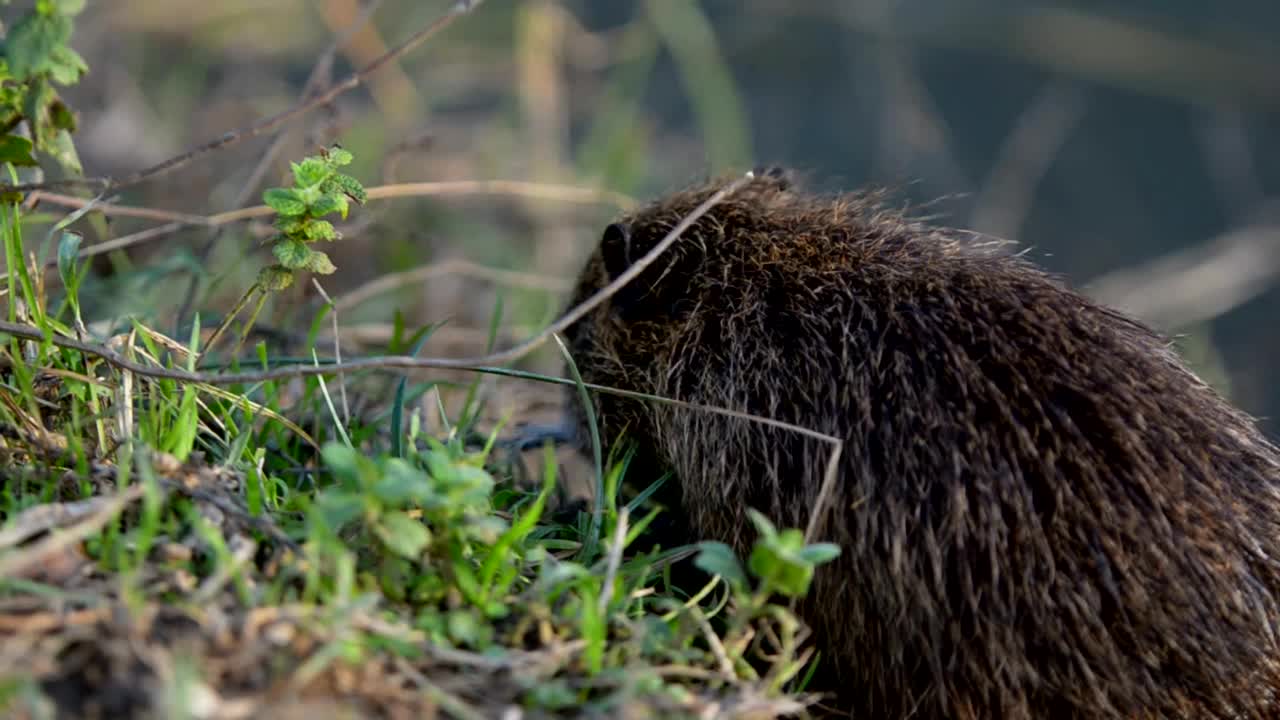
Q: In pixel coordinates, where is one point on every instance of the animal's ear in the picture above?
(615, 248)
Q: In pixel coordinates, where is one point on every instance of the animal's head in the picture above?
(621, 343)
(626, 241)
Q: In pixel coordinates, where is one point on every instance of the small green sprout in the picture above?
(781, 561)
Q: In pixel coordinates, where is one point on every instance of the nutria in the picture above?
(1042, 511)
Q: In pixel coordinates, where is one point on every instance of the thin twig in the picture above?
(125, 241)
(717, 647)
(517, 188)
(337, 352)
(351, 82)
(106, 208)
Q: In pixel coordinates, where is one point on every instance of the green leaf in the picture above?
(17, 150)
(594, 627)
(335, 509)
(401, 483)
(330, 203)
(463, 486)
(348, 186)
(319, 230)
(181, 437)
(778, 572)
(790, 541)
(554, 694)
(310, 173)
(290, 225)
(402, 534)
(349, 466)
(66, 66)
(31, 43)
(34, 103)
(62, 149)
(782, 561)
(275, 278)
(292, 253)
(339, 157)
(763, 526)
(717, 558)
(319, 263)
(819, 553)
(487, 529)
(68, 253)
(284, 201)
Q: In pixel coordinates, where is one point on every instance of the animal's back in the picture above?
(1042, 513)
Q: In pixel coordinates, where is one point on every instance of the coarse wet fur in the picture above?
(1043, 513)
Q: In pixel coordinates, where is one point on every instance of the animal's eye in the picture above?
(779, 175)
(615, 248)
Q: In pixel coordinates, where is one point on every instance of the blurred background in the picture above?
(1132, 145)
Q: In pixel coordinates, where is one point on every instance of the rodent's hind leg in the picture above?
(532, 436)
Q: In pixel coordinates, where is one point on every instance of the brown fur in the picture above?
(1042, 511)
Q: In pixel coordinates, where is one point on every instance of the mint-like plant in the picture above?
(319, 189)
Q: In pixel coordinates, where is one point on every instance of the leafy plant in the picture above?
(319, 189)
(780, 560)
(434, 503)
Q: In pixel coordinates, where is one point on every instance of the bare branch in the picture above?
(106, 208)
(517, 188)
(543, 191)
